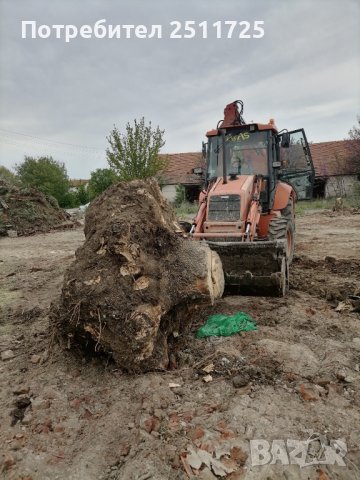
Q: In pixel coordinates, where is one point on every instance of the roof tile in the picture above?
(330, 158)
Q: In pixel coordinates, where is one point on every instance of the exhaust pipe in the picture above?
(223, 131)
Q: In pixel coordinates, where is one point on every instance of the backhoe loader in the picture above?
(254, 176)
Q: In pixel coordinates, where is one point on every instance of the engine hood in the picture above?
(242, 186)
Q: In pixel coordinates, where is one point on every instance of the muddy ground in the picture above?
(69, 416)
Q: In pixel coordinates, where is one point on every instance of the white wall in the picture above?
(340, 185)
(169, 192)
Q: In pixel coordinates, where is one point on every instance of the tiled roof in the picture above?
(330, 158)
(78, 182)
(180, 166)
(334, 158)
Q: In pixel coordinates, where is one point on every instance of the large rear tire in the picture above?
(289, 211)
(282, 228)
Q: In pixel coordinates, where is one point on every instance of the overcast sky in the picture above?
(62, 99)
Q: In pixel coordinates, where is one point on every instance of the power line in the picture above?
(51, 142)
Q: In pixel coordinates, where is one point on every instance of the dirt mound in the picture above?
(27, 211)
(340, 266)
(331, 278)
(135, 280)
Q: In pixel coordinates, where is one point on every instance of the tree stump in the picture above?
(135, 279)
(339, 205)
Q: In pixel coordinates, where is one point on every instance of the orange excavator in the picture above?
(254, 176)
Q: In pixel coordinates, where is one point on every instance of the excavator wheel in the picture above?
(282, 228)
(289, 212)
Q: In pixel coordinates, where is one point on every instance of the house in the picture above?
(337, 168)
(75, 184)
(179, 172)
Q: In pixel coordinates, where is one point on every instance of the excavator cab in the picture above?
(252, 152)
(296, 166)
(254, 176)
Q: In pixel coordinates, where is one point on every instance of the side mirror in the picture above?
(203, 150)
(285, 140)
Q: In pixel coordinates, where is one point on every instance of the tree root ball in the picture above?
(135, 280)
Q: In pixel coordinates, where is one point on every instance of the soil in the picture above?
(26, 211)
(72, 416)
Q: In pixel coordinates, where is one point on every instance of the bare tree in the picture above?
(354, 145)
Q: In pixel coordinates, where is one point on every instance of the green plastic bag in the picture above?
(220, 325)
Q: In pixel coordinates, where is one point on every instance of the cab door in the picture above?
(296, 163)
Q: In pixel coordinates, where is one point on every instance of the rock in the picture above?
(244, 390)
(349, 379)
(7, 355)
(40, 403)
(149, 424)
(174, 385)
(35, 359)
(240, 381)
(16, 446)
(296, 357)
(308, 392)
(238, 455)
(196, 433)
(346, 305)
(329, 259)
(59, 428)
(75, 403)
(12, 233)
(179, 391)
(124, 449)
(209, 368)
(225, 361)
(27, 419)
(322, 381)
(9, 461)
(21, 390)
(207, 378)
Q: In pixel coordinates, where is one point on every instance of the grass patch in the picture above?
(317, 204)
(185, 209)
(303, 206)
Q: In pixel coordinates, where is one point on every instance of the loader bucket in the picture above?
(254, 268)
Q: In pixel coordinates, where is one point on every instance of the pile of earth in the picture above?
(25, 211)
(336, 279)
